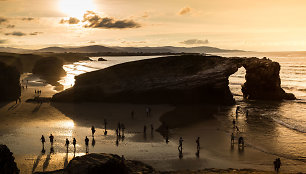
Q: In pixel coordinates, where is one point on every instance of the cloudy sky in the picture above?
(263, 25)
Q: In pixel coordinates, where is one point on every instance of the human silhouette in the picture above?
(74, 142)
(117, 141)
(180, 147)
(86, 144)
(234, 123)
(122, 128)
(241, 142)
(237, 111)
(198, 153)
(119, 129)
(247, 113)
(93, 130)
(198, 143)
(277, 163)
(67, 144)
(105, 123)
(51, 137)
(43, 141)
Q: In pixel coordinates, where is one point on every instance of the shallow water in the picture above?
(271, 130)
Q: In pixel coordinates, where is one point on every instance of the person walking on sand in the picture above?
(180, 147)
(145, 130)
(93, 130)
(51, 137)
(198, 143)
(74, 142)
(67, 144)
(43, 140)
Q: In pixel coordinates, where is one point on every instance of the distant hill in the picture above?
(104, 49)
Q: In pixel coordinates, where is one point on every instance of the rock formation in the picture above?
(7, 163)
(10, 86)
(50, 69)
(177, 79)
(103, 163)
(263, 81)
(101, 59)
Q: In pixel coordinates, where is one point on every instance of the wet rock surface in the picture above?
(10, 86)
(176, 80)
(103, 163)
(7, 163)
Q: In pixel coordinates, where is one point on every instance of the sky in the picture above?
(262, 25)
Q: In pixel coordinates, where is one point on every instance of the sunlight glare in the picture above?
(76, 8)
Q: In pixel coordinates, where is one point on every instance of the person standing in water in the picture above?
(93, 130)
(86, 144)
(105, 123)
(67, 144)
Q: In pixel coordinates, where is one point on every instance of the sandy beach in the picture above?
(67, 120)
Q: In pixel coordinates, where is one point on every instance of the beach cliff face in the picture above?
(10, 86)
(177, 79)
(7, 161)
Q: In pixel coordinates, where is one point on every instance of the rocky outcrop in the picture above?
(101, 59)
(10, 86)
(263, 81)
(50, 69)
(104, 163)
(7, 163)
(177, 79)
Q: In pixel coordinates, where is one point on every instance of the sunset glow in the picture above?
(76, 8)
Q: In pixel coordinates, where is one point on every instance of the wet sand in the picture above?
(22, 125)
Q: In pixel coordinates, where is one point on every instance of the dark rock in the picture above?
(104, 163)
(7, 163)
(10, 85)
(50, 69)
(101, 59)
(263, 81)
(177, 79)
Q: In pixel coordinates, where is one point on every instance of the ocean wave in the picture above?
(293, 126)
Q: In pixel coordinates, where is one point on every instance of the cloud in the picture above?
(94, 21)
(3, 41)
(27, 19)
(10, 26)
(35, 33)
(16, 33)
(195, 42)
(71, 20)
(185, 11)
(2, 20)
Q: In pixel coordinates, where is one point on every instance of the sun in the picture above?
(76, 8)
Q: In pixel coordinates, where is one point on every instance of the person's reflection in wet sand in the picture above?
(36, 162)
(117, 141)
(198, 153)
(180, 154)
(241, 150)
(66, 160)
(93, 142)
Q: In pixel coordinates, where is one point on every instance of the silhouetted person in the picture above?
(51, 137)
(144, 129)
(86, 143)
(180, 147)
(74, 142)
(198, 153)
(198, 143)
(152, 129)
(232, 138)
(180, 154)
(93, 130)
(277, 163)
(237, 129)
(119, 129)
(237, 111)
(67, 144)
(43, 141)
(117, 133)
(247, 113)
(117, 141)
(132, 115)
(105, 123)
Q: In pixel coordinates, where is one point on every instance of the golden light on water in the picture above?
(76, 8)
